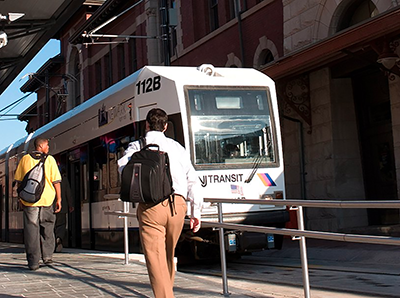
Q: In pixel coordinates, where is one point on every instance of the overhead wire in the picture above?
(13, 105)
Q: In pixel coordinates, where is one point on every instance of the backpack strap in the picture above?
(38, 155)
(171, 200)
(43, 157)
(142, 142)
(152, 145)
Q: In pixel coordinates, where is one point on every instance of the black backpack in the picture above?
(31, 188)
(147, 178)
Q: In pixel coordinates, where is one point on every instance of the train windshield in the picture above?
(231, 127)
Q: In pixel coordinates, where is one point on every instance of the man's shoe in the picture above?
(34, 267)
(59, 245)
(47, 261)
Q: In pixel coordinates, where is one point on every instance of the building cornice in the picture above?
(333, 48)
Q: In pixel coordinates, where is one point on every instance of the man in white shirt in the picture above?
(159, 226)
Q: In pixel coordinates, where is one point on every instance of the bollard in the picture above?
(126, 237)
(222, 253)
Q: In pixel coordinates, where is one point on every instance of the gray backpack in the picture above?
(31, 188)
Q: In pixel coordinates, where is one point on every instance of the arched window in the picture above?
(265, 53)
(74, 82)
(265, 57)
(77, 83)
(354, 12)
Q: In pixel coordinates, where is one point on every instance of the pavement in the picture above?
(85, 273)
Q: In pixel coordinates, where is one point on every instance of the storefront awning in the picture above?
(24, 36)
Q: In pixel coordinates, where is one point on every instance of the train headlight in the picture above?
(267, 197)
(278, 195)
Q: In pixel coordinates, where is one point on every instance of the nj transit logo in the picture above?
(266, 179)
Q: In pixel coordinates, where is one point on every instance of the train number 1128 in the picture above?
(148, 85)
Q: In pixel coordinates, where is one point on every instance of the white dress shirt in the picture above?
(184, 178)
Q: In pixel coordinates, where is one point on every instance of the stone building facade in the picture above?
(339, 106)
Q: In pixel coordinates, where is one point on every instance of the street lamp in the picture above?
(388, 58)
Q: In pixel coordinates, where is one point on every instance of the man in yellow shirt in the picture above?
(39, 217)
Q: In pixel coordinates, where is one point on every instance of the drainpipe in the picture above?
(239, 19)
(165, 31)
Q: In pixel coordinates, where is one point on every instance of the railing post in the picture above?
(222, 253)
(303, 253)
(126, 239)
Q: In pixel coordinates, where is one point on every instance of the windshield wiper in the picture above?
(267, 145)
(256, 165)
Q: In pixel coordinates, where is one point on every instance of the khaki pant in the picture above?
(159, 230)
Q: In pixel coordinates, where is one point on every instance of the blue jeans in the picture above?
(39, 233)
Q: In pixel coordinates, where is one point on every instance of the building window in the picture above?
(355, 12)
(53, 107)
(74, 80)
(265, 57)
(174, 41)
(241, 7)
(133, 54)
(214, 14)
(61, 102)
(173, 23)
(77, 87)
(231, 10)
(121, 61)
(99, 76)
(41, 116)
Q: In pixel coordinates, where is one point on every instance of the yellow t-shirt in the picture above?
(52, 175)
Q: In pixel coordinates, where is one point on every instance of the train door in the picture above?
(79, 227)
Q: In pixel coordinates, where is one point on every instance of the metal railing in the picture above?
(124, 215)
(298, 234)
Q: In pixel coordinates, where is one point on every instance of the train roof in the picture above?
(186, 75)
(181, 75)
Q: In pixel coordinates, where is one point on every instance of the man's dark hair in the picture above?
(157, 118)
(39, 141)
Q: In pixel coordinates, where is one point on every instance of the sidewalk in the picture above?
(84, 273)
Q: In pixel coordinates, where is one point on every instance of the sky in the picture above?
(10, 127)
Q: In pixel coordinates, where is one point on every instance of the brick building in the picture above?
(339, 98)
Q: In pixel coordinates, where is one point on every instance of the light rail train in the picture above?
(228, 120)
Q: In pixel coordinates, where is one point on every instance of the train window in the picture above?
(197, 101)
(170, 132)
(13, 195)
(228, 102)
(114, 175)
(99, 172)
(260, 103)
(233, 127)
